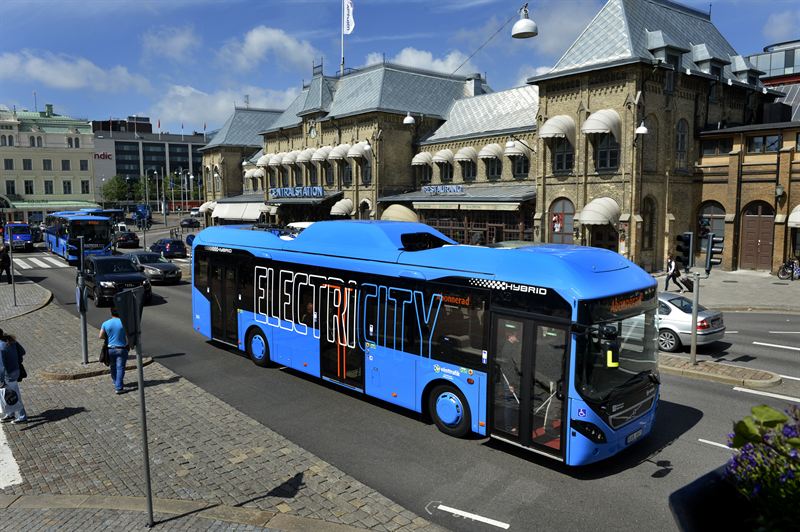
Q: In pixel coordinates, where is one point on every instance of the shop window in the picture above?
(423, 173)
(562, 221)
(445, 172)
(764, 144)
(366, 171)
(468, 170)
(521, 165)
(648, 223)
(494, 168)
(606, 152)
(563, 155)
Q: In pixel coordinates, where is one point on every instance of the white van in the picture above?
(120, 227)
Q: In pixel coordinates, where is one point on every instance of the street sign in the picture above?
(189, 240)
(130, 304)
(80, 299)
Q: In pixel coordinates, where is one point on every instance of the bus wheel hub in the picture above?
(449, 409)
(257, 347)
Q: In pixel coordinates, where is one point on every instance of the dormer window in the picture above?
(752, 79)
(716, 71)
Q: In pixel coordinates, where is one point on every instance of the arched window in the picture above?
(445, 172)
(11, 140)
(271, 173)
(423, 173)
(32, 141)
(681, 144)
(284, 176)
(38, 142)
(468, 170)
(563, 155)
(649, 145)
(606, 152)
(297, 175)
(69, 142)
(649, 222)
(2, 140)
(327, 170)
(710, 219)
(312, 175)
(346, 173)
(494, 168)
(521, 166)
(366, 171)
(562, 221)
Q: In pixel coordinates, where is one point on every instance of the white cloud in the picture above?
(528, 71)
(425, 60)
(782, 26)
(559, 23)
(193, 107)
(62, 71)
(176, 44)
(262, 42)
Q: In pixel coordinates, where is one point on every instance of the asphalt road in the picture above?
(411, 462)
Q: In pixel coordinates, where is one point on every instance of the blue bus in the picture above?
(116, 215)
(18, 236)
(551, 347)
(62, 230)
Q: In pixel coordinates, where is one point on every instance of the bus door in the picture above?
(529, 384)
(222, 281)
(341, 358)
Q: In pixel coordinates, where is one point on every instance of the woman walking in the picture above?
(11, 353)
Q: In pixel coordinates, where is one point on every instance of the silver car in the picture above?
(675, 323)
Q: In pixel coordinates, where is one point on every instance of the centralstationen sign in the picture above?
(296, 192)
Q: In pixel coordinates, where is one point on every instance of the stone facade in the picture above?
(222, 170)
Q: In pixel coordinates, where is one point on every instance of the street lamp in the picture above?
(191, 187)
(155, 178)
(524, 28)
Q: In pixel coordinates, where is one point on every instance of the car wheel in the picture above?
(98, 300)
(449, 410)
(257, 348)
(668, 341)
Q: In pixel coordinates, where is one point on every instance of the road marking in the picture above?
(778, 346)
(9, 469)
(715, 444)
(39, 263)
(784, 332)
(731, 332)
(767, 394)
(474, 517)
(22, 264)
(790, 378)
(58, 263)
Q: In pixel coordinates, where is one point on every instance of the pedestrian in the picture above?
(11, 354)
(5, 263)
(672, 273)
(117, 349)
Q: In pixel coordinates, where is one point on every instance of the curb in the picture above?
(175, 507)
(93, 369)
(773, 380)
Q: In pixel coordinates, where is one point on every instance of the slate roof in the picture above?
(792, 92)
(623, 31)
(242, 128)
(510, 110)
(382, 87)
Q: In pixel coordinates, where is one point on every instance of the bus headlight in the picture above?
(590, 430)
(107, 284)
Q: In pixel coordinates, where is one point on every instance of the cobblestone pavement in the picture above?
(84, 440)
(30, 296)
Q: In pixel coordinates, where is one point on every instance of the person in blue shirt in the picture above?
(11, 353)
(117, 349)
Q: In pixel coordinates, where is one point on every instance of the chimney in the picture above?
(48, 109)
(474, 84)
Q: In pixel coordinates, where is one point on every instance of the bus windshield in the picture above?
(638, 352)
(93, 231)
(19, 230)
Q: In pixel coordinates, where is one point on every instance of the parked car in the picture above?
(190, 222)
(105, 276)
(194, 212)
(675, 322)
(156, 267)
(169, 247)
(127, 239)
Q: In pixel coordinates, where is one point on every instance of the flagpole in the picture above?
(341, 67)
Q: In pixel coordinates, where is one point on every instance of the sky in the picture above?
(188, 62)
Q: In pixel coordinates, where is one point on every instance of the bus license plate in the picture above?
(633, 436)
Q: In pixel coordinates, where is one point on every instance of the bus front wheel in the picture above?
(449, 410)
(257, 348)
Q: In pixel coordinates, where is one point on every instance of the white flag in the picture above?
(348, 22)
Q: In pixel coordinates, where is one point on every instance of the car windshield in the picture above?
(116, 266)
(151, 258)
(638, 351)
(684, 304)
(92, 231)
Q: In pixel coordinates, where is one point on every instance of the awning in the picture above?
(208, 206)
(423, 157)
(264, 160)
(321, 154)
(360, 149)
(600, 211)
(249, 173)
(276, 159)
(339, 152)
(559, 126)
(305, 155)
(794, 217)
(290, 158)
(603, 121)
(399, 213)
(517, 150)
(343, 207)
(467, 153)
(491, 150)
(252, 211)
(443, 156)
(229, 211)
(259, 173)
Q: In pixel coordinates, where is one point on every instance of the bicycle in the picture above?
(789, 270)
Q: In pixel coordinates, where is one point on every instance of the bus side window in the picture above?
(459, 336)
(201, 270)
(245, 278)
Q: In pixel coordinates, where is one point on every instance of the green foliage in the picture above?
(119, 188)
(765, 466)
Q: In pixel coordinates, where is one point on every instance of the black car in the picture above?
(169, 247)
(190, 222)
(105, 276)
(127, 239)
(36, 233)
(156, 267)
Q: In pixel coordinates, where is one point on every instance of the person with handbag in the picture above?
(113, 331)
(11, 372)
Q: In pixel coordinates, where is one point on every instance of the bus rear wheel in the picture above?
(449, 410)
(257, 348)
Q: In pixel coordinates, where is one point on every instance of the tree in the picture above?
(119, 188)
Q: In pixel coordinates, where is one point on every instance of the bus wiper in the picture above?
(650, 374)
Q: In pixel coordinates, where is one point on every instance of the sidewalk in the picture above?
(80, 459)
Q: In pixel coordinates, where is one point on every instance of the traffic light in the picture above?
(714, 246)
(685, 249)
